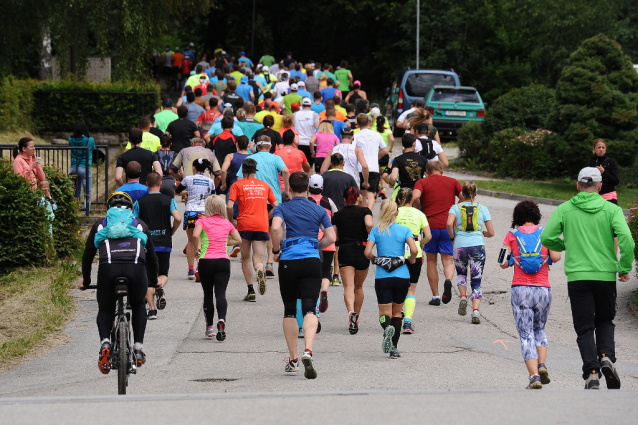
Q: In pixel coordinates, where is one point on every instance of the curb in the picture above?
(516, 197)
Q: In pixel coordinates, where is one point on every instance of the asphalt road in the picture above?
(448, 360)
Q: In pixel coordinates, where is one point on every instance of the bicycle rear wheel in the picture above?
(122, 358)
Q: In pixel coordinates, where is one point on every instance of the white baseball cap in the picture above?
(590, 175)
(227, 105)
(294, 87)
(301, 84)
(265, 68)
(375, 111)
(316, 181)
(306, 101)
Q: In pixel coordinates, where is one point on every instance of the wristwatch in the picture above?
(276, 252)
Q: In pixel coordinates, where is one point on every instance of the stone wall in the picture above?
(98, 71)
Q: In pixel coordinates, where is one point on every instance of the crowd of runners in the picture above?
(284, 163)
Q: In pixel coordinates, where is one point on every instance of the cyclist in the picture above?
(120, 256)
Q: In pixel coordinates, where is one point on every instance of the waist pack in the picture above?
(530, 259)
(389, 264)
(469, 217)
(119, 224)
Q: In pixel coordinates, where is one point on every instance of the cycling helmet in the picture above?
(120, 198)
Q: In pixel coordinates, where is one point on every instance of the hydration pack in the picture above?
(119, 224)
(469, 217)
(428, 148)
(530, 259)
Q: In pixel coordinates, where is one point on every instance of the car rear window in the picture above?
(419, 85)
(455, 95)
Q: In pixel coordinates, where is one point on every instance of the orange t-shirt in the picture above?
(294, 160)
(178, 58)
(253, 197)
(339, 116)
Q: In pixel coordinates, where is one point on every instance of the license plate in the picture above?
(455, 113)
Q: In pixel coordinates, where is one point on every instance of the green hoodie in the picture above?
(588, 223)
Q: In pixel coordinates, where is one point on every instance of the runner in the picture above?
(325, 140)
(225, 142)
(147, 160)
(374, 148)
(435, 195)
(253, 197)
(337, 180)
(291, 98)
(416, 221)
(307, 123)
(355, 94)
(156, 210)
(250, 125)
(392, 279)
(467, 226)
(166, 157)
(294, 159)
(317, 106)
(182, 130)
(232, 164)
(531, 291)
(214, 264)
(427, 147)
(183, 164)
(166, 115)
(407, 168)
(133, 187)
(275, 137)
(199, 187)
(300, 266)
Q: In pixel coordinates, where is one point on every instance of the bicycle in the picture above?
(122, 347)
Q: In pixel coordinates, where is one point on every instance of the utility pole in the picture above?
(418, 13)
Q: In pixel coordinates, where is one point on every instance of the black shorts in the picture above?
(415, 269)
(373, 180)
(299, 279)
(353, 257)
(306, 150)
(269, 209)
(326, 262)
(391, 290)
(164, 260)
(318, 164)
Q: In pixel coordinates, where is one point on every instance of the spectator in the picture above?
(133, 187)
(182, 130)
(147, 160)
(608, 169)
(81, 161)
(26, 164)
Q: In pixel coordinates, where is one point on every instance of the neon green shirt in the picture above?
(267, 60)
(164, 118)
(414, 220)
(237, 76)
(193, 80)
(342, 76)
(149, 142)
(291, 98)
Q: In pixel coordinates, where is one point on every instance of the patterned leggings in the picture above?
(472, 257)
(530, 305)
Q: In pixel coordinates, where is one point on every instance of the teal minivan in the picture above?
(453, 106)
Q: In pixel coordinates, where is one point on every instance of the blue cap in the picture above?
(242, 53)
(243, 79)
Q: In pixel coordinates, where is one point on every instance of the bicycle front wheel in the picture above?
(122, 358)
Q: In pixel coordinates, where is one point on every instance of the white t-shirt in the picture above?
(350, 160)
(418, 147)
(369, 142)
(199, 187)
(281, 87)
(305, 121)
(405, 114)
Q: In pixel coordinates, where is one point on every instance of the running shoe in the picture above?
(353, 323)
(104, 363)
(332, 269)
(336, 281)
(323, 301)
(435, 301)
(261, 282)
(235, 251)
(542, 371)
(250, 297)
(593, 381)
(291, 365)
(161, 299)
(318, 326)
(447, 291)
(269, 270)
(191, 274)
(221, 330)
(476, 317)
(383, 195)
(152, 315)
(394, 353)
(387, 339)
(463, 306)
(534, 383)
(300, 334)
(407, 328)
(306, 359)
(197, 275)
(608, 370)
(140, 358)
(210, 331)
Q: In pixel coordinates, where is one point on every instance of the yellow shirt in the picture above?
(149, 142)
(193, 80)
(340, 109)
(259, 116)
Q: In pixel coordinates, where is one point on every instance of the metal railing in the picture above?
(61, 157)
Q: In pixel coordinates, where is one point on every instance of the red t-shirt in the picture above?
(438, 194)
(210, 115)
(253, 197)
(294, 160)
(520, 277)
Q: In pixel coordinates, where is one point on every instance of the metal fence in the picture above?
(61, 157)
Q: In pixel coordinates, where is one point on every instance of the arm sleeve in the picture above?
(625, 242)
(180, 188)
(89, 254)
(550, 238)
(610, 176)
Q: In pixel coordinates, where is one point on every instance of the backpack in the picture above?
(119, 224)
(428, 148)
(165, 160)
(469, 217)
(530, 259)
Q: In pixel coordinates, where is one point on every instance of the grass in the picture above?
(34, 304)
(557, 190)
(12, 137)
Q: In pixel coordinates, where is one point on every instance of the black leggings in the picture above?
(326, 263)
(214, 274)
(299, 279)
(106, 299)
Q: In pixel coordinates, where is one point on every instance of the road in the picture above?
(446, 361)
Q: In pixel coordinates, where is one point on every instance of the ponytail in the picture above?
(202, 164)
(351, 195)
(404, 196)
(469, 190)
(380, 123)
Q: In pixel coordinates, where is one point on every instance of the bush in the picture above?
(517, 153)
(16, 104)
(596, 96)
(526, 108)
(66, 225)
(633, 226)
(472, 141)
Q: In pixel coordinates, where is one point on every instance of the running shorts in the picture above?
(326, 263)
(373, 180)
(164, 260)
(190, 217)
(391, 290)
(299, 279)
(251, 235)
(415, 269)
(440, 243)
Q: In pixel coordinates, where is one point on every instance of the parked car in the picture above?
(412, 84)
(452, 106)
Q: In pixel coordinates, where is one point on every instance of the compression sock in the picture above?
(384, 321)
(410, 305)
(105, 340)
(191, 268)
(396, 322)
(251, 289)
(299, 315)
(137, 346)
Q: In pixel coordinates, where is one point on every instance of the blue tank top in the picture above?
(235, 165)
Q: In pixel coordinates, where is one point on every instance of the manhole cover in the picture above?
(214, 380)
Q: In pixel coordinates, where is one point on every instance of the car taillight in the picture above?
(430, 110)
(480, 113)
(400, 105)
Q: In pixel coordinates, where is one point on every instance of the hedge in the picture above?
(56, 105)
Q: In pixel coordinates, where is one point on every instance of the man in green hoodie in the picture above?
(588, 224)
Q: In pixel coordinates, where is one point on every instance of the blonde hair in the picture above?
(420, 116)
(387, 216)
(287, 121)
(326, 127)
(323, 77)
(215, 206)
(404, 197)
(241, 114)
(469, 190)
